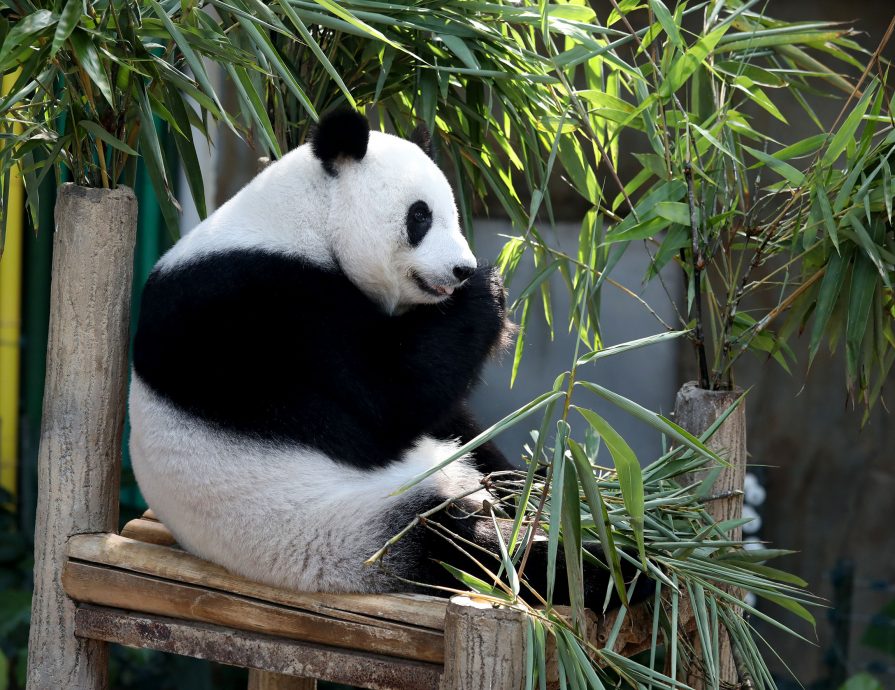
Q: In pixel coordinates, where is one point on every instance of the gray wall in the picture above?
(648, 376)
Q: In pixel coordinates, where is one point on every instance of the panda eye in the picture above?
(419, 220)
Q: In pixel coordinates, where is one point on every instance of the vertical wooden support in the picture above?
(83, 416)
(696, 409)
(265, 680)
(484, 646)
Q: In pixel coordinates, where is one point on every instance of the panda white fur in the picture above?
(305, 351)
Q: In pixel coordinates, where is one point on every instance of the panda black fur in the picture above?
(306, 350)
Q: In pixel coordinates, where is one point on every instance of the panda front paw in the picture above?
(486, 284)
(485, 299)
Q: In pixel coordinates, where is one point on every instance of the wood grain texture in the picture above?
(116, 588)
(484, 646)
(696, 410)
(265, 680)
(83, 416)
(416, 610)
(148, 531)
(251, 650)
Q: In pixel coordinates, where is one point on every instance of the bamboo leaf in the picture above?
(630, 345)
(89, 59)
(101, 134)
(827, 296)
(863, 286)
(557, 495)
(601, 518)
(656, 421)
(629, 474)
(792, 175)
(68, 20)
(846, 132)
(667, 22)
(505, 559)
(685, 65)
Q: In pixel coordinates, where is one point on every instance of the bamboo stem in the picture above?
(698, 265)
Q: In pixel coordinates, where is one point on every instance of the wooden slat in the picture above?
(148, 531)
(389, 620)
(100, 585)
(241, 648)
(265, 680)
(417, 610)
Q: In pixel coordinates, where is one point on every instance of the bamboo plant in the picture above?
(94, 80)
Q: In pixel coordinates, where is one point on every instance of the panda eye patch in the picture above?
(419, 220)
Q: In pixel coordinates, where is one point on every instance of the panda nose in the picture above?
(463, 272)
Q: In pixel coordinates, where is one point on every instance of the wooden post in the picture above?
(695, 410)
(265, 680)
(484, 646)
(83, 417)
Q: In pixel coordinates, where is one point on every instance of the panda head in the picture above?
(393, 225)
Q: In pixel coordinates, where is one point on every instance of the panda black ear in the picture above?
(342, 132)
(423, 139)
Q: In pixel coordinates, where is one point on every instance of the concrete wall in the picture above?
(647, 376)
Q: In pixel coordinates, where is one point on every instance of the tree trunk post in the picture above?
(484, 646)
(83, 417)
(696, 409)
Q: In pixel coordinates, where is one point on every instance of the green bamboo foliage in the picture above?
(519, 94)
(90, 76)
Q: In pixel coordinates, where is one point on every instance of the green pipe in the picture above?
(153, 239)
(38, 257)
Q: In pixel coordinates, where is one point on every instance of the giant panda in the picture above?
(305, 351)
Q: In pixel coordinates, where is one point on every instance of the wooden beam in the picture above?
(696, 410)
(148, 531)
(416, 610)
(251, 650)
(486, 646)
(83, 418)
(264, 680)
(95, 584)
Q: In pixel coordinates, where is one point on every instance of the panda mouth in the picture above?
(436, 290)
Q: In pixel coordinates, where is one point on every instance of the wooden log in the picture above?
(83, 417)
(696, 410)
(251, 650)
(115, 588)
(378, 610)
(148, 531)
(484, 646)
(264, 680)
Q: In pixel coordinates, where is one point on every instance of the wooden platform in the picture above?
(139, 589)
